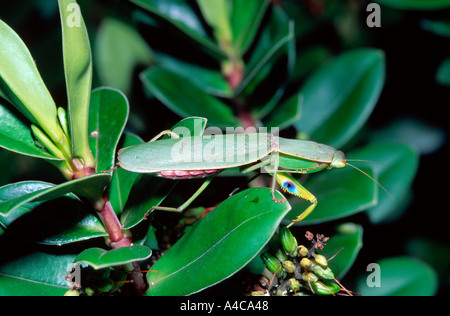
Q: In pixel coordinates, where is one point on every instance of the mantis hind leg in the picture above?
(185, 204)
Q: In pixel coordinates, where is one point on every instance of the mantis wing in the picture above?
(307, 150)
(195, 153)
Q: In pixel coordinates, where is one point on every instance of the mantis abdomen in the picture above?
(186, 174)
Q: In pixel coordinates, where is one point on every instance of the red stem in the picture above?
(118, 239)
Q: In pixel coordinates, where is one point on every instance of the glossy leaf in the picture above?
(246, 18)
(13, 192)
(416, 4)
(434, 252)
(217, 14)
(78, 72)
(348, 241)
(36, 274)
(62, 221)
(441, 28)
(99, 258)
(210, 81)
(443, 73)
(122, 180)
(16, 136)
(271, 42)
(90, 187)
(22, 85)
(117, 40)
(425, 138)
(87, 228)
(190, 126)
(340, 96)
(181, 15)
(309, 60)
(147, 191)
(208, 253)
(108, 116)
(185, 99)
(286, 113)
(400, 276)
(401, 163)
(340, 193)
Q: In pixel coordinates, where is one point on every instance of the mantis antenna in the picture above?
(363, 160)
(373, 180)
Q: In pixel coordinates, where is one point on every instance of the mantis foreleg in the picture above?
(292, 186)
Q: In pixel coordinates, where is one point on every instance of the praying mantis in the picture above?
(205, 156)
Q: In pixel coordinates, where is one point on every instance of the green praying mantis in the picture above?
(205, 156)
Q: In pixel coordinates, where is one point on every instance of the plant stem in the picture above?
(233, 70)
(113, 226)
(119, 239)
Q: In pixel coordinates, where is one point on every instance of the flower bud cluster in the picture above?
(295, 269)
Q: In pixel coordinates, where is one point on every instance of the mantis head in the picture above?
(338, 161)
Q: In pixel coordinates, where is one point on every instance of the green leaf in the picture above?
(286, 113)
(26, 194)
(37, 274)
(416, 4)
(194, 126)
(340, 193)
(441, 28)
(210, 81)
(108, 115)
(349, 241)
(218, 246)
(217, 13)
(147, 191)
(185, 99)
(340, 96)
(82, 226)
(396, 175)
(16, 136)
(443, 73)
(400, 276)
(123, 180)
(14, 192)
(246, 18)
(435, 252)
(425, 138)
(22, 85)
(181, 15)
(78, 73)
(271, 42)
(309, 60)
(62, 221)
(116, 41)
(99, 258)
